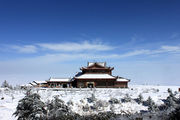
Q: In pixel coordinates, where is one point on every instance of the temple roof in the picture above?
(59, 80)
(121, 79)
(95, 76)
(33, 83)
(39, 82)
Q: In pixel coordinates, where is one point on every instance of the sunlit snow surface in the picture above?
(79, 98)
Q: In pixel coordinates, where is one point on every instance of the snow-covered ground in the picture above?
(79, 98)
(9, 103)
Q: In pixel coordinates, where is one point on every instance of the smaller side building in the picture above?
(42, 84)
(121, 82)
(59, 82)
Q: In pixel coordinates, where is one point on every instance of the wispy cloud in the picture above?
(170, 48)
(134, 53)
(163, 49)
(49, 58)
(174, 36)
(72, 46)
(24, 48)
(84, 50)
(59, 47)
(89, 56)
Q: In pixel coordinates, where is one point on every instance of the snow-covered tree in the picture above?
(70, 103)
(152, 107)
(149, 101)
(140, 99)
(172, 95)
(6, 84)
(169, 90)
(112, 107)
(127, 98)
(92, 98)
(171, 101)
(113, 101)
(30, 108)
(57, 109)
(175, 115)
(86, 108)
(99, 104)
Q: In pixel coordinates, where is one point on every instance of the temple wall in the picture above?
(109, 83)
(121, 84)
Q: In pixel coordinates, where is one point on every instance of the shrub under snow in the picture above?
(30, 108)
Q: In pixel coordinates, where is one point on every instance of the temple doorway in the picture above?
(90, 84)
(64, 85)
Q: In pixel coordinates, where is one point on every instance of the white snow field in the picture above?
(79, 98)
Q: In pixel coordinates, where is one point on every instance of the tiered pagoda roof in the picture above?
(95, 76)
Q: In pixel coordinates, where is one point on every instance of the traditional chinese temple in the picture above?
(95, 74)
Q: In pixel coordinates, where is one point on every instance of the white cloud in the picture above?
(165, 49)
(162, 49)
(87, 47)
(59, 47)
(25, 48)
(171, 48)
(50, 58)
(72, 46)
(134, 53)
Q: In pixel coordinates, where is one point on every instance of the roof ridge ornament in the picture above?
(97, 63)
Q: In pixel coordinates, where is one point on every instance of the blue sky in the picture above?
(42, 39)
